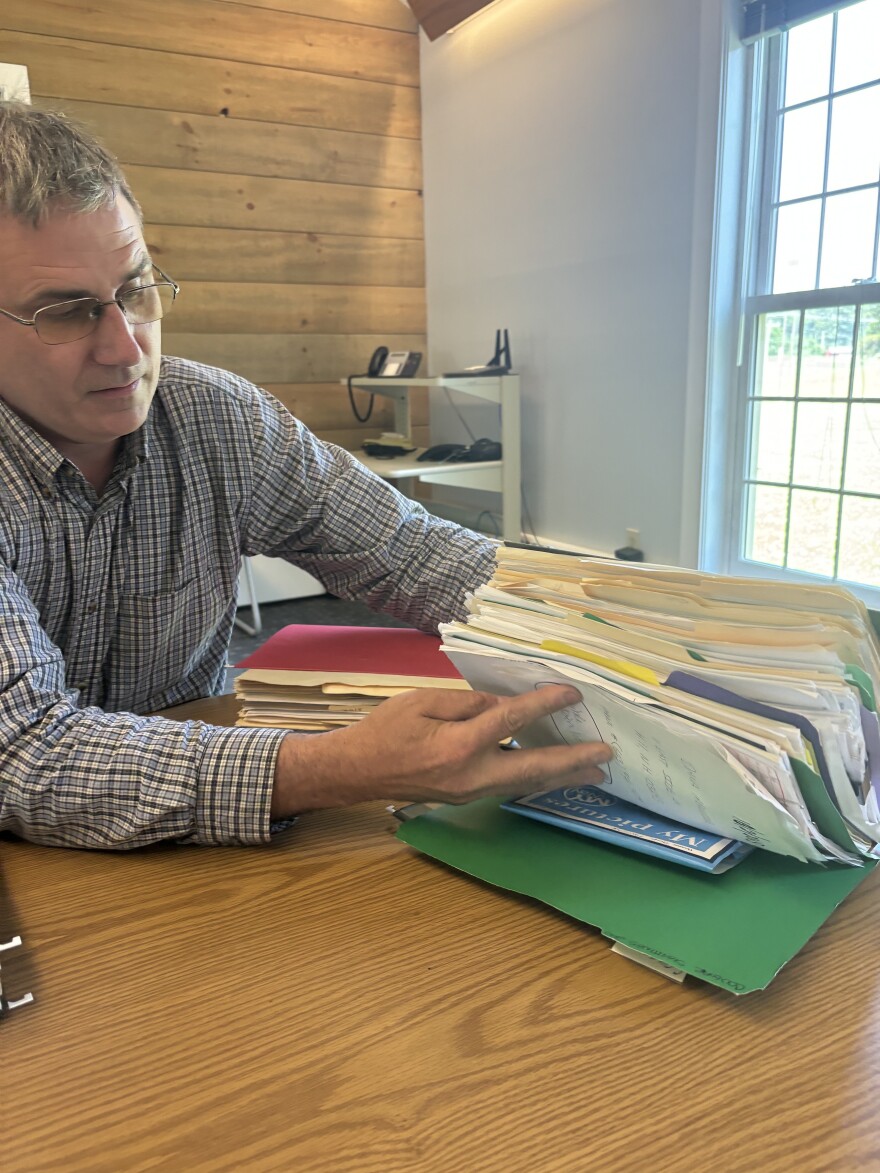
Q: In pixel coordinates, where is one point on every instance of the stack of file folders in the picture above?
(312, 678)
(736, 708)
(742, 709)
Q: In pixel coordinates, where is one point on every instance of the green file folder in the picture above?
(734, 930)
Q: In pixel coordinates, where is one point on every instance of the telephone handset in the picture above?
(397, 364)
(385, 364)
(377, 362)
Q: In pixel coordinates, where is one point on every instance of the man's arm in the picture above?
(78, 777)
(313, 504)
(432, 745)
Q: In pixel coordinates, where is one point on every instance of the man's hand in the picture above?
(432, 745)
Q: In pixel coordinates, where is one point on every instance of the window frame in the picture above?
(754, 120)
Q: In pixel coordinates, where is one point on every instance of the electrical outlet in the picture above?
(631, 552)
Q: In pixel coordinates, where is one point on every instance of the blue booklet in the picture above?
(593, 811)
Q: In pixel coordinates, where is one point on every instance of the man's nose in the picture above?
(114, 339)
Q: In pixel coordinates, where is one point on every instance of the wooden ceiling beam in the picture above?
(439, 16)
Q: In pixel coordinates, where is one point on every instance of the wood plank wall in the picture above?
(275, 149)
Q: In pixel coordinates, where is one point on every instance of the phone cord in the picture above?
(357, 415)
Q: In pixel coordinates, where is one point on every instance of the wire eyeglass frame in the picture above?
(84, 321)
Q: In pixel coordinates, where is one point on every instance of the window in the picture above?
(806, 435)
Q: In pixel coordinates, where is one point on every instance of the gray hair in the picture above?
(47, 159)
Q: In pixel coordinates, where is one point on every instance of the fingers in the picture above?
(499, 716)
(452, 704)
(464, 761)
(554, 766)
(526, 771)
(510, 714)
(493, 719)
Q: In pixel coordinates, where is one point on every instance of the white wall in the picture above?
(569, 177)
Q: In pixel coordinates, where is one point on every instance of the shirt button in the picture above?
(91, 608)
(47, 492)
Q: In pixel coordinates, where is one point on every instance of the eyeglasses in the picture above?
(68, 321)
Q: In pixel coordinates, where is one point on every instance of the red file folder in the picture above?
(391, 651)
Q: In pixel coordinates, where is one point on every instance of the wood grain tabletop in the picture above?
(335, 1002)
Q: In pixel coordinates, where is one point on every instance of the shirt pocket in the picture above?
(159, 639)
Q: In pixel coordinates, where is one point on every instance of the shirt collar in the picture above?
(43, 458)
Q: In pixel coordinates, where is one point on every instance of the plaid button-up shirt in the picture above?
(123, 604)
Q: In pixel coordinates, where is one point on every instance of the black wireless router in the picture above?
(498, 364)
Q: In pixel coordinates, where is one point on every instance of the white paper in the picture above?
(14, 83)
(661, 762)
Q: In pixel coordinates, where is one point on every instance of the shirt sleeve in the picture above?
(79, 777)
(315, 505)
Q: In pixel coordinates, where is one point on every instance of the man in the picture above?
(131, 486)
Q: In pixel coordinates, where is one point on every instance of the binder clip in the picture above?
(7, 1003)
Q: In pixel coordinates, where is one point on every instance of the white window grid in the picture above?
(762, 306)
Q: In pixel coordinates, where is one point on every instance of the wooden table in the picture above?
(336, 1002)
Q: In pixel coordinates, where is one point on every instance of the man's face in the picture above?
(97, 389)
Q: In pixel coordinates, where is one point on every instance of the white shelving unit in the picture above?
(499, 476)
